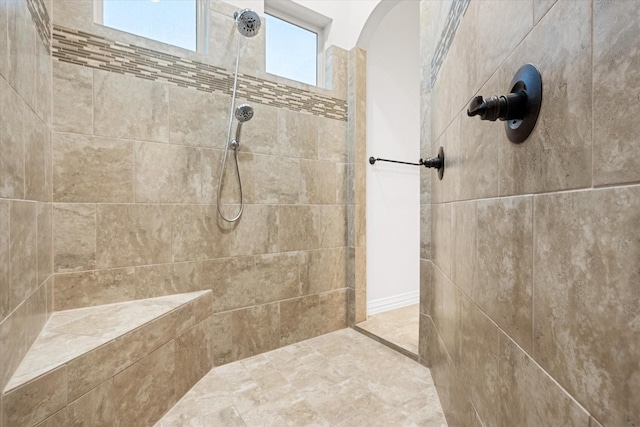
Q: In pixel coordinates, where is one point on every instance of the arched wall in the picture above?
(391, 39)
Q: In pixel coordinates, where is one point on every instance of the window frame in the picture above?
(304, 18)
(202, 25)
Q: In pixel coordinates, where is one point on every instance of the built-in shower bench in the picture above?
(116, 364)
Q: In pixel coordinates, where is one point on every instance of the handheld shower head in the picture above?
(244, 113)
(248, 22)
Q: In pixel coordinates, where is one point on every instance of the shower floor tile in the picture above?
(339, 379)
(399, 326)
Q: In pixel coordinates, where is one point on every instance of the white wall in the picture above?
(393, 132)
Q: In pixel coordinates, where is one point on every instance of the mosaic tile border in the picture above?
(89, 50)
(458, 8)
(40, 17)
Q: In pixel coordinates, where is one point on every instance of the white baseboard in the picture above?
(390, 303)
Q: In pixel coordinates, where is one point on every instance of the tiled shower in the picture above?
(110, 146)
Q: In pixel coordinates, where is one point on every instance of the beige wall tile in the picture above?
(219, 327)
(333, 311)
(616, 82)
(195, 232)
(557, 155)
(427, 336)
(12, 338)
(522, 383)
(37, 146)
(477, 358)
(446, 311)
(45, 241)
(90, 288)
(129, 235)
(22, 37)
(24, 253)
(426, 290)
(175, 174)
(276, 277)
(484, 48)
(94, 408)
(333, 226)
(344, 186)
(360, 284)
(298, 134)
(441, 235)
(11, 142)
(194, 228)
(194, 357)
(357, 99)
(72, 98)
(5, 62)
(232, 280)
(451, 143)
(19, 330)
(202, 307)
(300, 319)
(268, 179)
(318, 182)
(59, 419)
(360, 225)
(336, 76)
(297, 230)
(260, 135)
(74, 237)
(588, 244)
(128, 107)
(72, 14)
(504, 269)
(479, 146)
(146, 390)
(360, 183)
(332, 140)
(5, 261)
(255, 330)
(168, 279)
(464, 228)
(87, 169)
(425, 231)
(36, 400)
(322, 270)
(197, 118)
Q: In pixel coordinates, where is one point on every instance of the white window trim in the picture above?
(307, 19)
(202, 24)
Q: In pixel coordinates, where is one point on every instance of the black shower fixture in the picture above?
(519, 109)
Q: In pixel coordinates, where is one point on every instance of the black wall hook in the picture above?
(519, 108)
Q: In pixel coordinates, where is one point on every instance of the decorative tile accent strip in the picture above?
(88, 50)
(458, 8)
(41, 18)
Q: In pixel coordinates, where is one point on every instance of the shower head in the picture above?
(248, 22)
(244, 113)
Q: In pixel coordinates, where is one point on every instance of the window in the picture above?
(294, 46)
(178, 22)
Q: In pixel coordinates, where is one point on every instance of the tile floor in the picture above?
(339, 379)
(399, 326)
